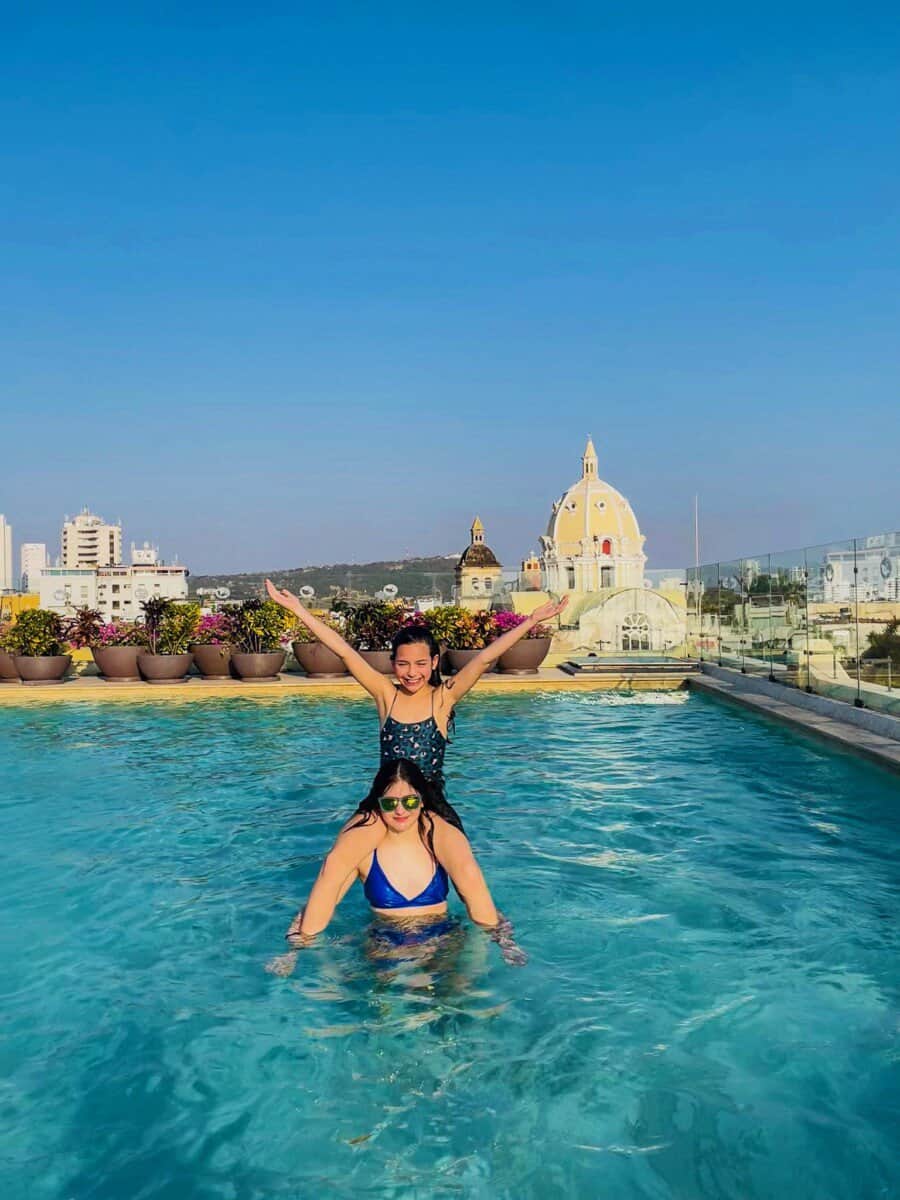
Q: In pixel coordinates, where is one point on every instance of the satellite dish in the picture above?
(59, 594)
(307, 592)
(390, 590)
(222, 593)
(140, 592)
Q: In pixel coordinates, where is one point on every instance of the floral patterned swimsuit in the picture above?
(419, 741)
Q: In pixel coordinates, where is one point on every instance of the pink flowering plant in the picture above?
(504, 621)
(119, 633)
(215, 629)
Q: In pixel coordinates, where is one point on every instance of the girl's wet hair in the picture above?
(403, 770)
(419, 635)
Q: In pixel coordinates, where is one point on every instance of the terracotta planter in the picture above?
(117, 664)
(8, 672)
(48, 668)
(379, 659)
(525, 657)
(213, 662)
(258, 667)
(317, 660)
(457, 659)
(164, 668)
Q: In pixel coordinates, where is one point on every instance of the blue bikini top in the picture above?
(381, 893)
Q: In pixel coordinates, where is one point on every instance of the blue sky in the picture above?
(292, 284)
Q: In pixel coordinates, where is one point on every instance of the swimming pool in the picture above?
(710, 1008)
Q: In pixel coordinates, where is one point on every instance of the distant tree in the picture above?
(719, 600)
(885, 644)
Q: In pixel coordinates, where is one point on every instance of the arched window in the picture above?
(606, 548)
(476, 585)
(489, 585)
(636, 631)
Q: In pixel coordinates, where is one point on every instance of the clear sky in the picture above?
(286, 284)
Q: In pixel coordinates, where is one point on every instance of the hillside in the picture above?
(412, 576)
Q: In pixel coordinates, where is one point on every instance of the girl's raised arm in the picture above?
(466, 679)
(376, 684)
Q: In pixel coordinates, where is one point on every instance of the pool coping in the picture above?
(94, 689)
(817, 715)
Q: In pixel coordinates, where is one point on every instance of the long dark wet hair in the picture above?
(416, 635)
(403, 770)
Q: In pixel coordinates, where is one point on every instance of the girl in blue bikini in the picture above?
(406, 877)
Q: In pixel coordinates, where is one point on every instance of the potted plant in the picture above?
(369, 627)
(38, 642)
(213, 644)
(169, 630)
(315, 659)
(257, 629)
(114, 645)
(468, 634)
(8, 672)
(527, 655)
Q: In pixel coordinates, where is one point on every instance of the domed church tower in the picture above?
(478, 573)
(592, 540)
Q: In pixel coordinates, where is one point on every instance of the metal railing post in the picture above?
(858, 702)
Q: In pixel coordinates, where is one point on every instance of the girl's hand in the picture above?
(283, 597)
(512, 953)
(282, 964)
(548, 611)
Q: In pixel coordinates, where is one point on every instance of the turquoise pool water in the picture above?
(710, 1008)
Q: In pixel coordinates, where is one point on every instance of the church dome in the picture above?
(593, 511)
(477, 554)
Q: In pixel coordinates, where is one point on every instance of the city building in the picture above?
(593, 551)
(116, 592)
(88, 541)
(869, 571)
(144, 556)
(6, 555)
(32, 561)
(478, 574)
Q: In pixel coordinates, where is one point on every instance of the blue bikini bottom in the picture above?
(403, 933)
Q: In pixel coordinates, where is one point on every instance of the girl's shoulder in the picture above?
(446, 836)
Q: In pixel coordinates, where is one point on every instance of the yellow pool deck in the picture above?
(96, 690)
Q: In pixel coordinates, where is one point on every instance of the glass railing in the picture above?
(823, 618)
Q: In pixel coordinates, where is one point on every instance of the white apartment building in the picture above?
(88, 541)
(6, 555)
(32, 561)
(116, 592)
(65, 590)
(869, 572)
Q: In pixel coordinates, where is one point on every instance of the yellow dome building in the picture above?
(593, 551)
(593, 540)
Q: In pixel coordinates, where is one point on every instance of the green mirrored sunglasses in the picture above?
(389, 803)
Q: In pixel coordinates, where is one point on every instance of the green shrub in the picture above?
(259, 626)
(37, 633)
(372, 624)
